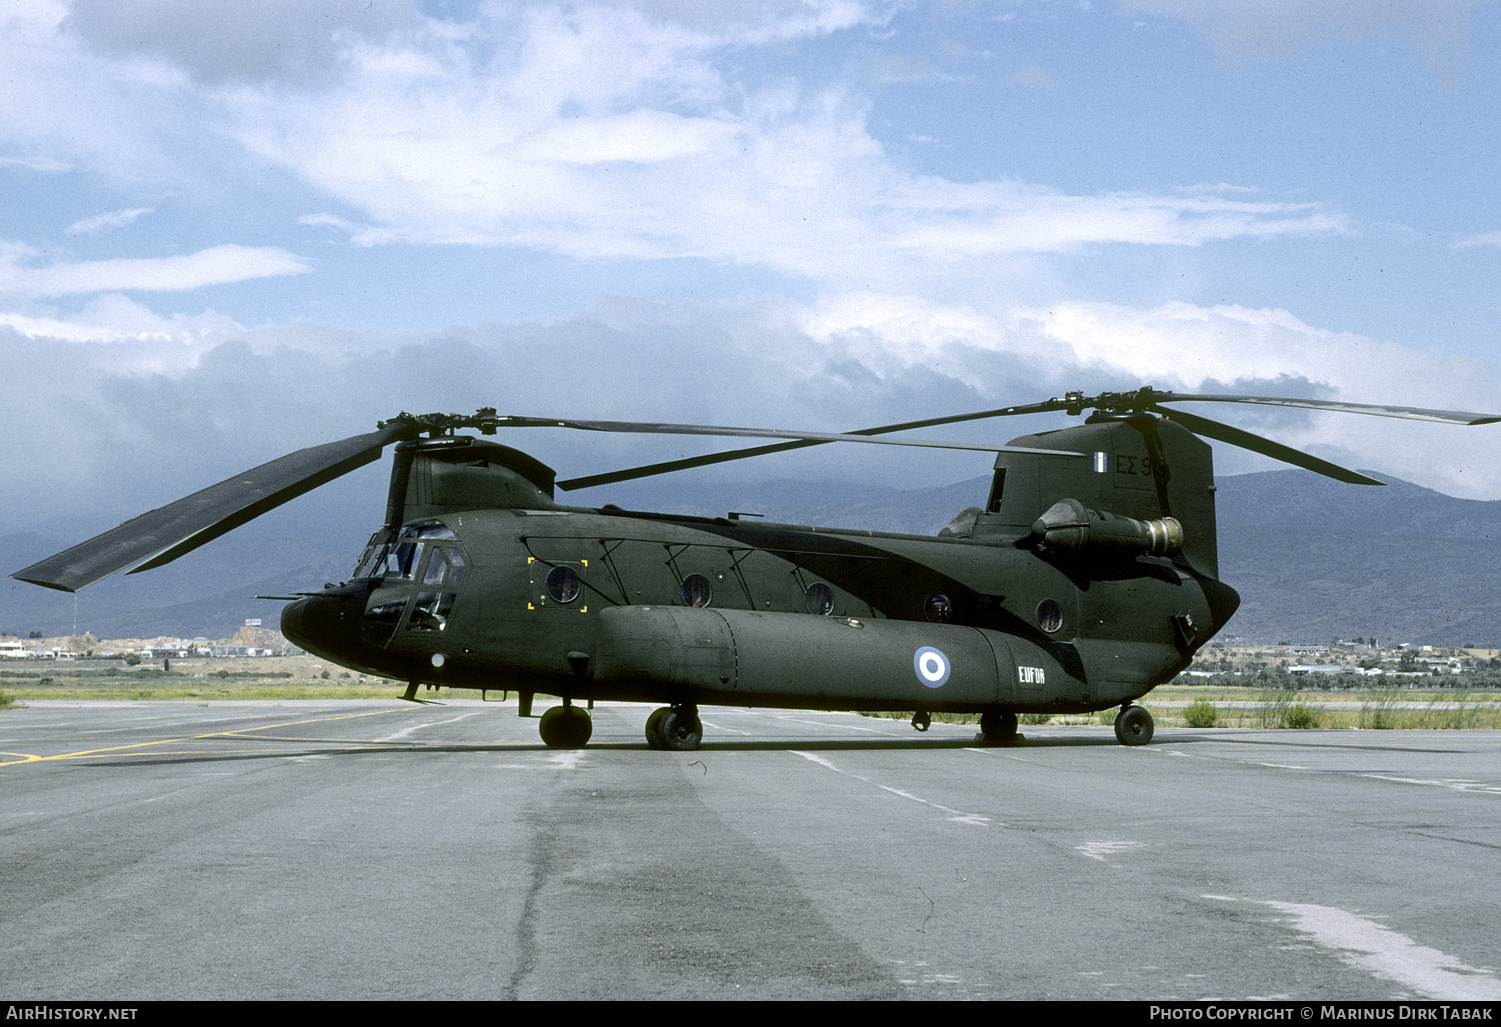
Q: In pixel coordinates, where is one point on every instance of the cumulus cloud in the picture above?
(645, 130)
(1480, 239)
(1259, 29)
(608, 131)
(758, 21)
(115, 318)
(197, 399)
(101, 222)
(281, 40)
(44, 164)
(601, 133)
(216, 265)
(623, 130)
(1023, 354)
(62, 108)
(1181, 346)
(224, 42)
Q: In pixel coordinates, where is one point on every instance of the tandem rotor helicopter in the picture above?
(1089, 576)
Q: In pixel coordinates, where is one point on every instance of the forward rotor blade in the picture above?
(1266, 447)
(164, 534)
(685, 463)
(647, 470)
(1374, 409)
(711, 430)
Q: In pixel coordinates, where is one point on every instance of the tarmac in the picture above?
(380, 850)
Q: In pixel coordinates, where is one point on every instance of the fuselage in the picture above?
(608, 604)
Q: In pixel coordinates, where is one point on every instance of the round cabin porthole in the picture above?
(819, 599)
(1049, 616)
(697, 592)
(563, 584)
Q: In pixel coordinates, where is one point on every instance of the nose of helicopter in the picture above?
(318, 623)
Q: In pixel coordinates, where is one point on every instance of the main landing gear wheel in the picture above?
(566, 727)
(674, 728)
(653, 739)
(1133, 726)
(997, 728)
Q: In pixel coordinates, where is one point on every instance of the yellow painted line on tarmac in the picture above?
(26, 757)
(309, 720)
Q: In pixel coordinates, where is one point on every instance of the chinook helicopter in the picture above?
(1089, 576)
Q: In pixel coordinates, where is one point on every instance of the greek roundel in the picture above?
(932, 666)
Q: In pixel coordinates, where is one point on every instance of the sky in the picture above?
(232, 230)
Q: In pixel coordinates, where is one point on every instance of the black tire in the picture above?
(998, 728)
(680, 730)
(653, 739)
(1133, 726)
(565, 727)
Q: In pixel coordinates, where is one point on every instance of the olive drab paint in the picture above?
(1005, 611)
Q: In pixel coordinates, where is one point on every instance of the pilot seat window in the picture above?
(431, 611)
(379, 622)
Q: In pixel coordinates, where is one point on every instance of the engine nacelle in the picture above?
(1071, 528)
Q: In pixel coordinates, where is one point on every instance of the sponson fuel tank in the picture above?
(756, 658)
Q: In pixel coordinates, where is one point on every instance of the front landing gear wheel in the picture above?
(997, 728)
(674, 728)
(565, 727)
(1133, 726)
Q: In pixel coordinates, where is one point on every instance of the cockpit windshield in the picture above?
(416, 578)
(400, 559)
(427, 529)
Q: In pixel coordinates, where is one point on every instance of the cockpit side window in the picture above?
(444, 567)
(367, 562)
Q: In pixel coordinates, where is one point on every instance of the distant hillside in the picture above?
(1315, 560)
(1311, 558)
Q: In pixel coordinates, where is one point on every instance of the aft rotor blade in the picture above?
(1266, 447)
(1374, 409)
(686, 463)
(166, 533)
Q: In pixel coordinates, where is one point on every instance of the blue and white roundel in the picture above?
(931, 665)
